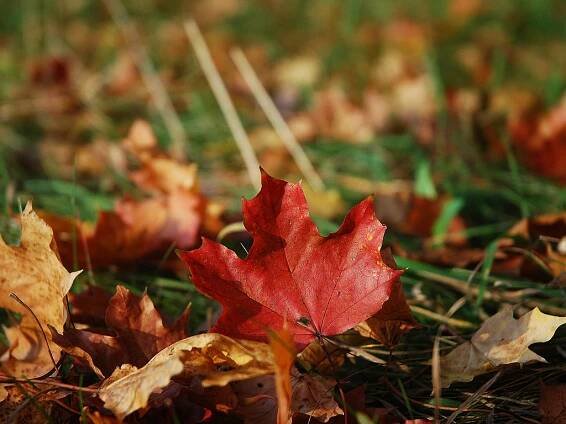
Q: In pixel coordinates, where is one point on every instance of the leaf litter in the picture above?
(478, 238)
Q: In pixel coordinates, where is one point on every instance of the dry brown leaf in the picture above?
(313, 396)
(216, 359)
(532, 249)
(501, 340)
(13, 408)
(391, 322)
(552, 404)
(138, 328)
(33, 272)
(325, 359)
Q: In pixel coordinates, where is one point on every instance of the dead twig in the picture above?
(224, 101)
(276, 120)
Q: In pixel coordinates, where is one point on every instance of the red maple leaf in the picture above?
(319, 286)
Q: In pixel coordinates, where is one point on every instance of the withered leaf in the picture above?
(32, 271)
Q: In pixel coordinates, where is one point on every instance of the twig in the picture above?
(276, 120)
(150, 77)
(436, 376)
(10, 380)
(468, 402)
(462, 287)
(452, 322)
(21, 302)
(235, 227)
(223, 98)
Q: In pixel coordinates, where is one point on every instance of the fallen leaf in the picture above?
(532, 249)
(89, 306)
(32, 271)
(324, 357)
(174, 214)
(318, 285)
(13, 407)
(337, 117)
(216, 359)
(391, 322)
(395, 318)
(501, 340)
(139, 325)
(129, 388)
(313, 396)
(552, 404)
(401, 209)
(138, 334)
(540, 141)
(284, 354)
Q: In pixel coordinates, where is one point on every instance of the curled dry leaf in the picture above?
(139, 334)
(129, 388)
(313, 396)
(216, 359)
(391, 322)
(532, 249)
(501, 340)
(32, 271)
(394, 319)
(317, 285)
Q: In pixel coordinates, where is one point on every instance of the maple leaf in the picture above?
(318, 285)
(500, 340)
(139, 333)
(32, 271)
(394, 318)
(391, 322)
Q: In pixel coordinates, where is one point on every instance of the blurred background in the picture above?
(450, 112)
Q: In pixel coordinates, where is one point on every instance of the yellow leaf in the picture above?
(216, 359)
(32, 271)
(501, 340)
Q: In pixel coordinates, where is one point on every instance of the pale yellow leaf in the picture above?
(216, 359)
(501, 340)
(32, 271)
